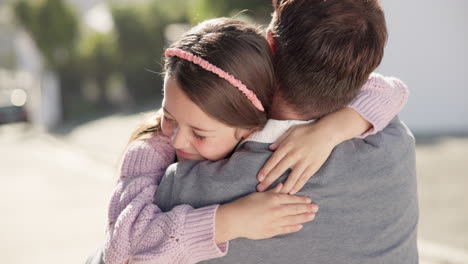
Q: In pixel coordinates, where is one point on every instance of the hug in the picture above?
(201, 182)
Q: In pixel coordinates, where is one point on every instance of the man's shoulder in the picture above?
(396, 132)
(247, 159)
(388, 156)
(394, 138)
(207, 182)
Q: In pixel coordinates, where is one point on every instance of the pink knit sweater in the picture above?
(139, 232)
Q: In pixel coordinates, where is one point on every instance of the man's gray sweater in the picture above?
(366, 191)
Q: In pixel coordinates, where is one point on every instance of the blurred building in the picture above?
(427, 49)
(24, 81)
(22, 66)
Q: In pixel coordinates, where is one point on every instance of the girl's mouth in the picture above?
(183, 154)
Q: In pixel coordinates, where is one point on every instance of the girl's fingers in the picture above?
(299, 183)
(280, 140)
(293, 199)
(306, 175)
(277, 188)
(288, 229)
(277, 171)
(297, 209)
(275, 158)
(298, 219)
(270, 164)
(293, 178)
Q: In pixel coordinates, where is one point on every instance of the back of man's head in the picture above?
(325, 51)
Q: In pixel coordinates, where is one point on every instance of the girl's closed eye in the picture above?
(167, 125)
(167, 119)
(198, 136)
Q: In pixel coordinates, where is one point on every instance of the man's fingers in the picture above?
(270, 164)
(274, 174)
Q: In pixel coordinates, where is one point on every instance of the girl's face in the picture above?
(194, 134)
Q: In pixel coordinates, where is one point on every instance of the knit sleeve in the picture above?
(138, 231)
(379, 101)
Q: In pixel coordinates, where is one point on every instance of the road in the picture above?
(54, 191)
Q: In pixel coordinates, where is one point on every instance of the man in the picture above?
(324, 52)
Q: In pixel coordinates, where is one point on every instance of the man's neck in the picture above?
(280, 110)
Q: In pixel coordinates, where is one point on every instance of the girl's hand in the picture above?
(263, 215)
(305, 148)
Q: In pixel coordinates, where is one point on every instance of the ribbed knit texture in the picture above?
(138, 231)
(380, 100)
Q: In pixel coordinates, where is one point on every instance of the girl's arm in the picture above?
(380, 100)
(305, 148)
(138, 231)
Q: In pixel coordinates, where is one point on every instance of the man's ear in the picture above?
(269, 37)
(275, 3)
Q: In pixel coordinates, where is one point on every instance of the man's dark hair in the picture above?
(325, 51)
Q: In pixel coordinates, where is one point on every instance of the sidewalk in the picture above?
(55, 191)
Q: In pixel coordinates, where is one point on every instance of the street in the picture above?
(55, 190)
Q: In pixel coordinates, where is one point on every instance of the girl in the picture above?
(218, 88)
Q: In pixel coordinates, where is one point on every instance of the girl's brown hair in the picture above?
(237, 48)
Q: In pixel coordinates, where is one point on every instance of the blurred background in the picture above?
(75, 76)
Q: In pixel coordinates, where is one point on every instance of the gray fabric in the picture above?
(96, 258)
(366, 192)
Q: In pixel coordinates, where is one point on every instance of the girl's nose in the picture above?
(178, 139)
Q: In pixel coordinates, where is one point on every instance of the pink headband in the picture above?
(212, 68)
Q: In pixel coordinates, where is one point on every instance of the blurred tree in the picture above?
(258, 10)
(141, 28)
(53, 26)
(140, 41)
(97, 58)
(132, 50)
